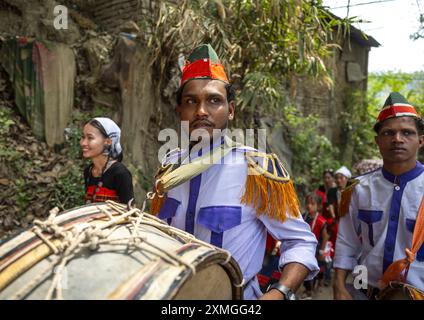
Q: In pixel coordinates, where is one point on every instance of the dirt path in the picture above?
(323, 293)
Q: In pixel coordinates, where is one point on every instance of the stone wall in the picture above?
(111, 14)
(140, 109)
(133, 99)
(349, 67)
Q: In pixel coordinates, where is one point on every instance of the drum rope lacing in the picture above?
(88, 236)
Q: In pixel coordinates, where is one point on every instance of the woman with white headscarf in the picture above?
(106, 178)
(342, 176)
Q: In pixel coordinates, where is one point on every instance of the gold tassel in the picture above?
(270, 197)
(157, 203)
(345, 202)
(346, 197)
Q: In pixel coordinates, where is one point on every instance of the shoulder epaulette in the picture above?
(346, 197)
(269, 188)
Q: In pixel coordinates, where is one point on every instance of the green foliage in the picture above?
(357, 121)
(22, 195)
(73, 137)
(81, 117)
(8, 155)
(69, 189)
(360, 114)
(5, 120)
(262, 41)
(312, 152)
(146, 182)
(261, 89)
(410, 85)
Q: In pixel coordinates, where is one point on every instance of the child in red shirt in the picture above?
(318, 226)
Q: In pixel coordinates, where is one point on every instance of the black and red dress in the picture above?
(115, 184)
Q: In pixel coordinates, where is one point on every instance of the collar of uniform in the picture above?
(405, 177)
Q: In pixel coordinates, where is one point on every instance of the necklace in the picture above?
(99, 184)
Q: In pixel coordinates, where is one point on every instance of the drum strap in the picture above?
(395, 270)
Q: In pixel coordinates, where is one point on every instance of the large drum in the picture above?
(104, 251)
(400, 291)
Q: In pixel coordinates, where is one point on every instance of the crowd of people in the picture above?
(321, 212)
(250, 206)
(372, 220)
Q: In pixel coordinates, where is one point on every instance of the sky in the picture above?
(391, 22)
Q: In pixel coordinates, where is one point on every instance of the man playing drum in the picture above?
(238, 194)
(381, 208)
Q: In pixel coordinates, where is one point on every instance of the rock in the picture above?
(29, 218)
(2, 85)
(83, 22)
(129, 27)
(33, 147)
(97, 51)
(8, 222)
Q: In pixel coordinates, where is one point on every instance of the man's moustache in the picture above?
(202, 123)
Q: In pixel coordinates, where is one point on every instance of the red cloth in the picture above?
(102, 194)
(269, 272)
(333, 228)
(203, 68)
(319, 224)
(270, 244)
(393, 111)
(323, 197)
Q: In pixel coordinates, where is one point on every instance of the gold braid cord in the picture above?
(159, 197)
(268, 187)
(347, 197)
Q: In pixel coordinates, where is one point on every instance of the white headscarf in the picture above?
(344, 171)
(114, 133)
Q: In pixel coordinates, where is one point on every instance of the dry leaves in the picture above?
(29, 170)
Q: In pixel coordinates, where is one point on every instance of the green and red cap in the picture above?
(396, 106)
(203, 63)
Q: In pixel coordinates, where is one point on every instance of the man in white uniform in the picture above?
(384, 203)
(233, 203)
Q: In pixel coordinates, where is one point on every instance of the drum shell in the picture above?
(400, 291)
(120, 271)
